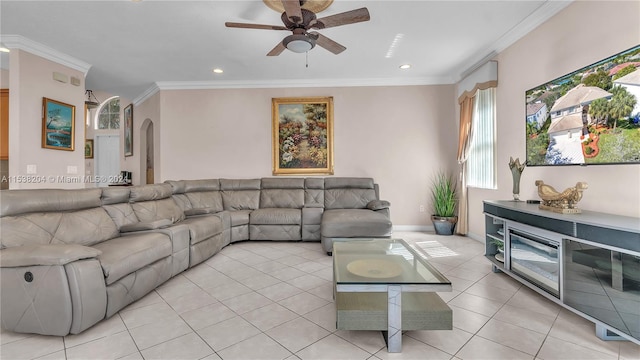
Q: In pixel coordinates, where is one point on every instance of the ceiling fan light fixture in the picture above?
(299, 43)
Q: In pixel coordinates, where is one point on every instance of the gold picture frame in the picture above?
(58, 125)
(302, 133)
(88, 148)
(128, 130)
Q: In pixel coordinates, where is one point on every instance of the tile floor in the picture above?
(273, 300)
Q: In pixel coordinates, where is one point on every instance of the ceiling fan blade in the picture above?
(327, 43)
(254, 26)
(277, 50)
(348, 17)
(293, 10)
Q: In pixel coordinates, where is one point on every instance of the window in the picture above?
(108, 116)
(481, 163)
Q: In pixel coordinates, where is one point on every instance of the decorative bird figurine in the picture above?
(560, 200)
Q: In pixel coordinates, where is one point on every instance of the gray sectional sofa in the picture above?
(70, 258)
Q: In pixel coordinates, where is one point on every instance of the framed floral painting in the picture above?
(302, 136)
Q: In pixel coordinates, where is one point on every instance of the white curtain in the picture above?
(484, 77)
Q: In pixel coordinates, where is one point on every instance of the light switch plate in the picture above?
(72, 169)
(32, 169)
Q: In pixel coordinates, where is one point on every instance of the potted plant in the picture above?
(444, 199)
(499, 244)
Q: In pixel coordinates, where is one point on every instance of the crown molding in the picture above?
(22, 43)
(299, 83)
(543, 13)
(277, 84)
(152, 90)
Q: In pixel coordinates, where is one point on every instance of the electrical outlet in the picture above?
(422, 208)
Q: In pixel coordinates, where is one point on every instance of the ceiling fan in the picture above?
(299, 21)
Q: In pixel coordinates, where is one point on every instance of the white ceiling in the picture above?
(130, 46)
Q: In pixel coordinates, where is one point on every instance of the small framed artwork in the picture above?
(88, 149)
(128, 130)
(58, 125)
(302, 130)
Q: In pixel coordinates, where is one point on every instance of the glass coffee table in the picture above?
(365, 270)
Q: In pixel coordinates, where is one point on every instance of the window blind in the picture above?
(481, 163)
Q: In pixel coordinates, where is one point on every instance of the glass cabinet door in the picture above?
(604, 284)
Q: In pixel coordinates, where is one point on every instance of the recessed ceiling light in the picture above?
(405, 66)
(218, 71)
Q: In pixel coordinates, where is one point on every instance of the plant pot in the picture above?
(444, 225)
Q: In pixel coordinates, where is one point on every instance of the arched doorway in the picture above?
(147, 152)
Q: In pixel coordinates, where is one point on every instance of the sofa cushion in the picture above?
(348, 198)
(201, 185)
(313, 193)
(354, 223)
(348, 183)
(241, 200)
(115, 195)
(282, 198)
(276, 217)
(210, 200)
(148, 211)
(84, 227)
(16, 202)
(177, 186)
(241, 194)
(203, 227)
(150, 192)
(126, 254)
(122, 214)
(282, 183)
(239, 217)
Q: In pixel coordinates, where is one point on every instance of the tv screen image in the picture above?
(589, 116)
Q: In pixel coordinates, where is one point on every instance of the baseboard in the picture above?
(425, 228)
(476, 237)
(429, 228)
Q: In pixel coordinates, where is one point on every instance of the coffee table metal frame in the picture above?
(417, 276)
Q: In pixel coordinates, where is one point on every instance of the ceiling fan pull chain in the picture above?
(306, 59)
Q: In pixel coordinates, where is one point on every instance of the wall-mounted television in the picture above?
(589, 116)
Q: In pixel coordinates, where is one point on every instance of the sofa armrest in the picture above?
(180, 241)
(378, 205)
(54, 254)
(142, 226)
(200, 211)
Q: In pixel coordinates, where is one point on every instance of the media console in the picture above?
(588, 263)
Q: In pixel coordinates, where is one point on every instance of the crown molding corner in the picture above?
(22, 43)
(543, 13)
(152, 90)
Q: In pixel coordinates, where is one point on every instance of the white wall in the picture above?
(581, 34)
(398, 135)
(31, 79)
